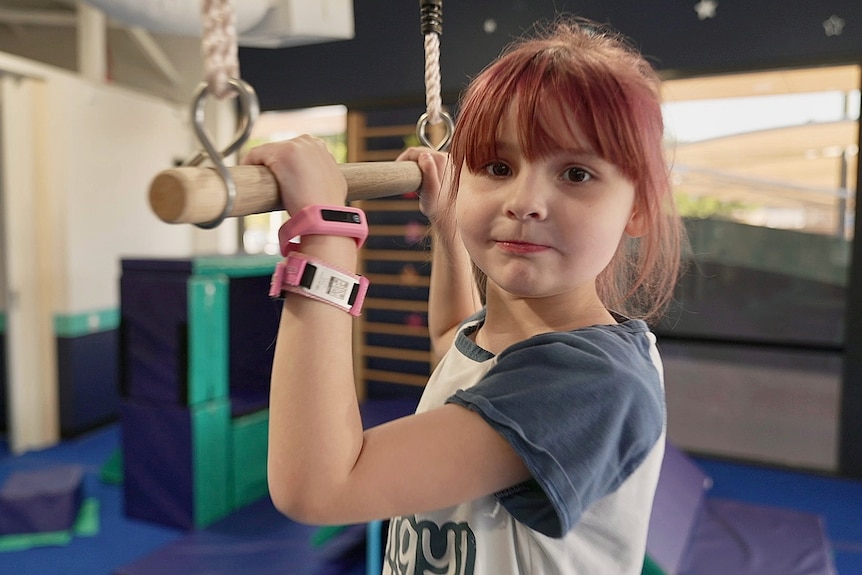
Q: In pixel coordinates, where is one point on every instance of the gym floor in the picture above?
(128, 546)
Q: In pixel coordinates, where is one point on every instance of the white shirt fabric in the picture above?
(585, 411)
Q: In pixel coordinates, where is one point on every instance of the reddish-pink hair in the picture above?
(610, 94)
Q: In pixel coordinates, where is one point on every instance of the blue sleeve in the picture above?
(582, 412)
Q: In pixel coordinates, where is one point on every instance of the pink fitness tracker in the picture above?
(323, 220)
(312, 278)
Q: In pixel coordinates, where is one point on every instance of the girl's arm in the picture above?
(322, 467)
(453, 296)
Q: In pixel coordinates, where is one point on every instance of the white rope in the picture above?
(219, 46)
(433, 100)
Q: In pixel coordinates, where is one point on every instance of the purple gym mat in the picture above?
(745, 539)
(41, 501)
(693, 534)
(678, 501)
(256, 540)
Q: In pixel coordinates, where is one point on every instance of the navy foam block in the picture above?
(42, 500)
(253, 319)
(158, 482)
(154, 304)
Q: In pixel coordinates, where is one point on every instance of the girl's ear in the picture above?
(638, 224)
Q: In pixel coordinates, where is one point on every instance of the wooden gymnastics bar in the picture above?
(195, 195)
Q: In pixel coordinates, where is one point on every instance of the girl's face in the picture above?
(545, 227)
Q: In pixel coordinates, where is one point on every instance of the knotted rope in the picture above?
(433, 101)
(431, 26)
(219, 47)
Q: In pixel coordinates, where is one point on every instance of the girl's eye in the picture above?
(498, 169)
(576, 175)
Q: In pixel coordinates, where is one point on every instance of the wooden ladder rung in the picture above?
(376, 327)
(388, 131)
(397, 255)
(398, 280)
(395, 230)
(397, 353)
(389, 206)
(359, 136)
(396, 304)
(396, 377)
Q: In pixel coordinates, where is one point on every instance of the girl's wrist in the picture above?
(340, 251)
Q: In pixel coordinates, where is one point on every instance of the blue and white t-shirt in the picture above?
(585, 411)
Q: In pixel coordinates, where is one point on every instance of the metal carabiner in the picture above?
(422, 124)
(249, 110)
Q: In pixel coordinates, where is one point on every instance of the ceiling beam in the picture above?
(60, 18)
(143, 40)
(154, 54)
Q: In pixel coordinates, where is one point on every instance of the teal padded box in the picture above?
(208, 336)
(249, 457)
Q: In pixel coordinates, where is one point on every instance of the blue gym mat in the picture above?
(122, 542)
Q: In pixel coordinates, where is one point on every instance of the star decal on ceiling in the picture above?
(833, 26)
(705, 9)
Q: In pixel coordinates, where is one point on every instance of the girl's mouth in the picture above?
(521, 248)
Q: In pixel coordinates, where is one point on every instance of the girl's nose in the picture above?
(525, 200)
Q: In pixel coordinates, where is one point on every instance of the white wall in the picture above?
(77, 160)
(107, 144)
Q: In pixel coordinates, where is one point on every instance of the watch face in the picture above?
(340, 216)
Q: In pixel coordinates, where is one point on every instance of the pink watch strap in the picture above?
(323, 220)
(308, 276)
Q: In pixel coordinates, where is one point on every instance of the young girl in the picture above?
(537, 444)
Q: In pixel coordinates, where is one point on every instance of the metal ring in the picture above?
(248, 113)
(423, 137)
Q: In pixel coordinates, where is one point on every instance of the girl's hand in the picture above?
(306, 172)
(434, 193)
